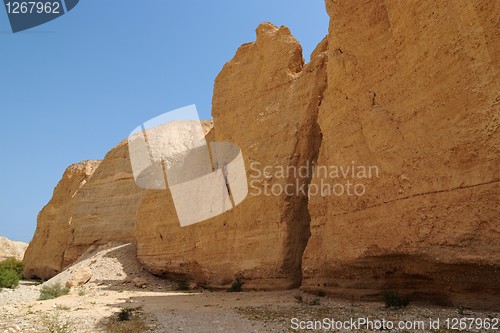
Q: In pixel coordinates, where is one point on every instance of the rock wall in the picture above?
(44, 256)
(11, 249)
(406, 90)
(266, 101)
(103, 210)
(414, 91)
(93, 204)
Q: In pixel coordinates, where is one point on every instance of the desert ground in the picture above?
(94, 308)
(119, 285)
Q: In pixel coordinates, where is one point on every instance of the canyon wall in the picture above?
(405, 94)
(266, 101)
(93, 204)
(45, 253)
(104, 209)
(413, 91)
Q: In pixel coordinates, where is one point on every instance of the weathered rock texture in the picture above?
(45, 253)
(93, 204)
(266, 101)
(11, 249)
(413, 89)
(103, 210)
(409, 88)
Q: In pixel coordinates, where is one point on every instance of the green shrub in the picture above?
(13, 264)
(11, 271)
(392, 299)
(236, 286)
(8, 279)
(54, 291)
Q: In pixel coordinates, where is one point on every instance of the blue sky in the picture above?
(73, 88)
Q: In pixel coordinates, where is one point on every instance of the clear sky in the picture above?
(73, 88)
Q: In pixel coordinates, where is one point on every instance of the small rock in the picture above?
(139, 282)
(79, 278)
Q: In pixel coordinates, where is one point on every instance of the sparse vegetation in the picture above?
(12, 264)
(62, 307)
(124, 314)
(182, 285)
(53, 323)
(236, 286)
(321, 293)
(54, 291)
(392, 299)
(8, 279)
(81, 292)
(299, 299)
(11, 271)
(315, 302)
(127, 320)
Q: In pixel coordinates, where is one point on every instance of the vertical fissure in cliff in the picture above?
(306, 151)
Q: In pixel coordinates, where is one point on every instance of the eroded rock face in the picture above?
(11, 249)
(413, 90)
(265, 101)
(406, 91)
(103, 210)
(93, 204)
(44, 256)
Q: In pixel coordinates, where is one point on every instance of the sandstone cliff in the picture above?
(409, 89)
(44, 256)
(414, 91)
(103, 210)
(93, 204)
(265, 100)
(11, 249)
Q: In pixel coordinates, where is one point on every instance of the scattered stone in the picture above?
(139, 282)
(79, 278)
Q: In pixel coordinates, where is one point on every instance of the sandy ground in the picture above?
(155, 306)
(93, 308)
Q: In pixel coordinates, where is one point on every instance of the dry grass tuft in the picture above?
(127, 321)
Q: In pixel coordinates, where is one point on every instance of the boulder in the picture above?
(80, 277)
